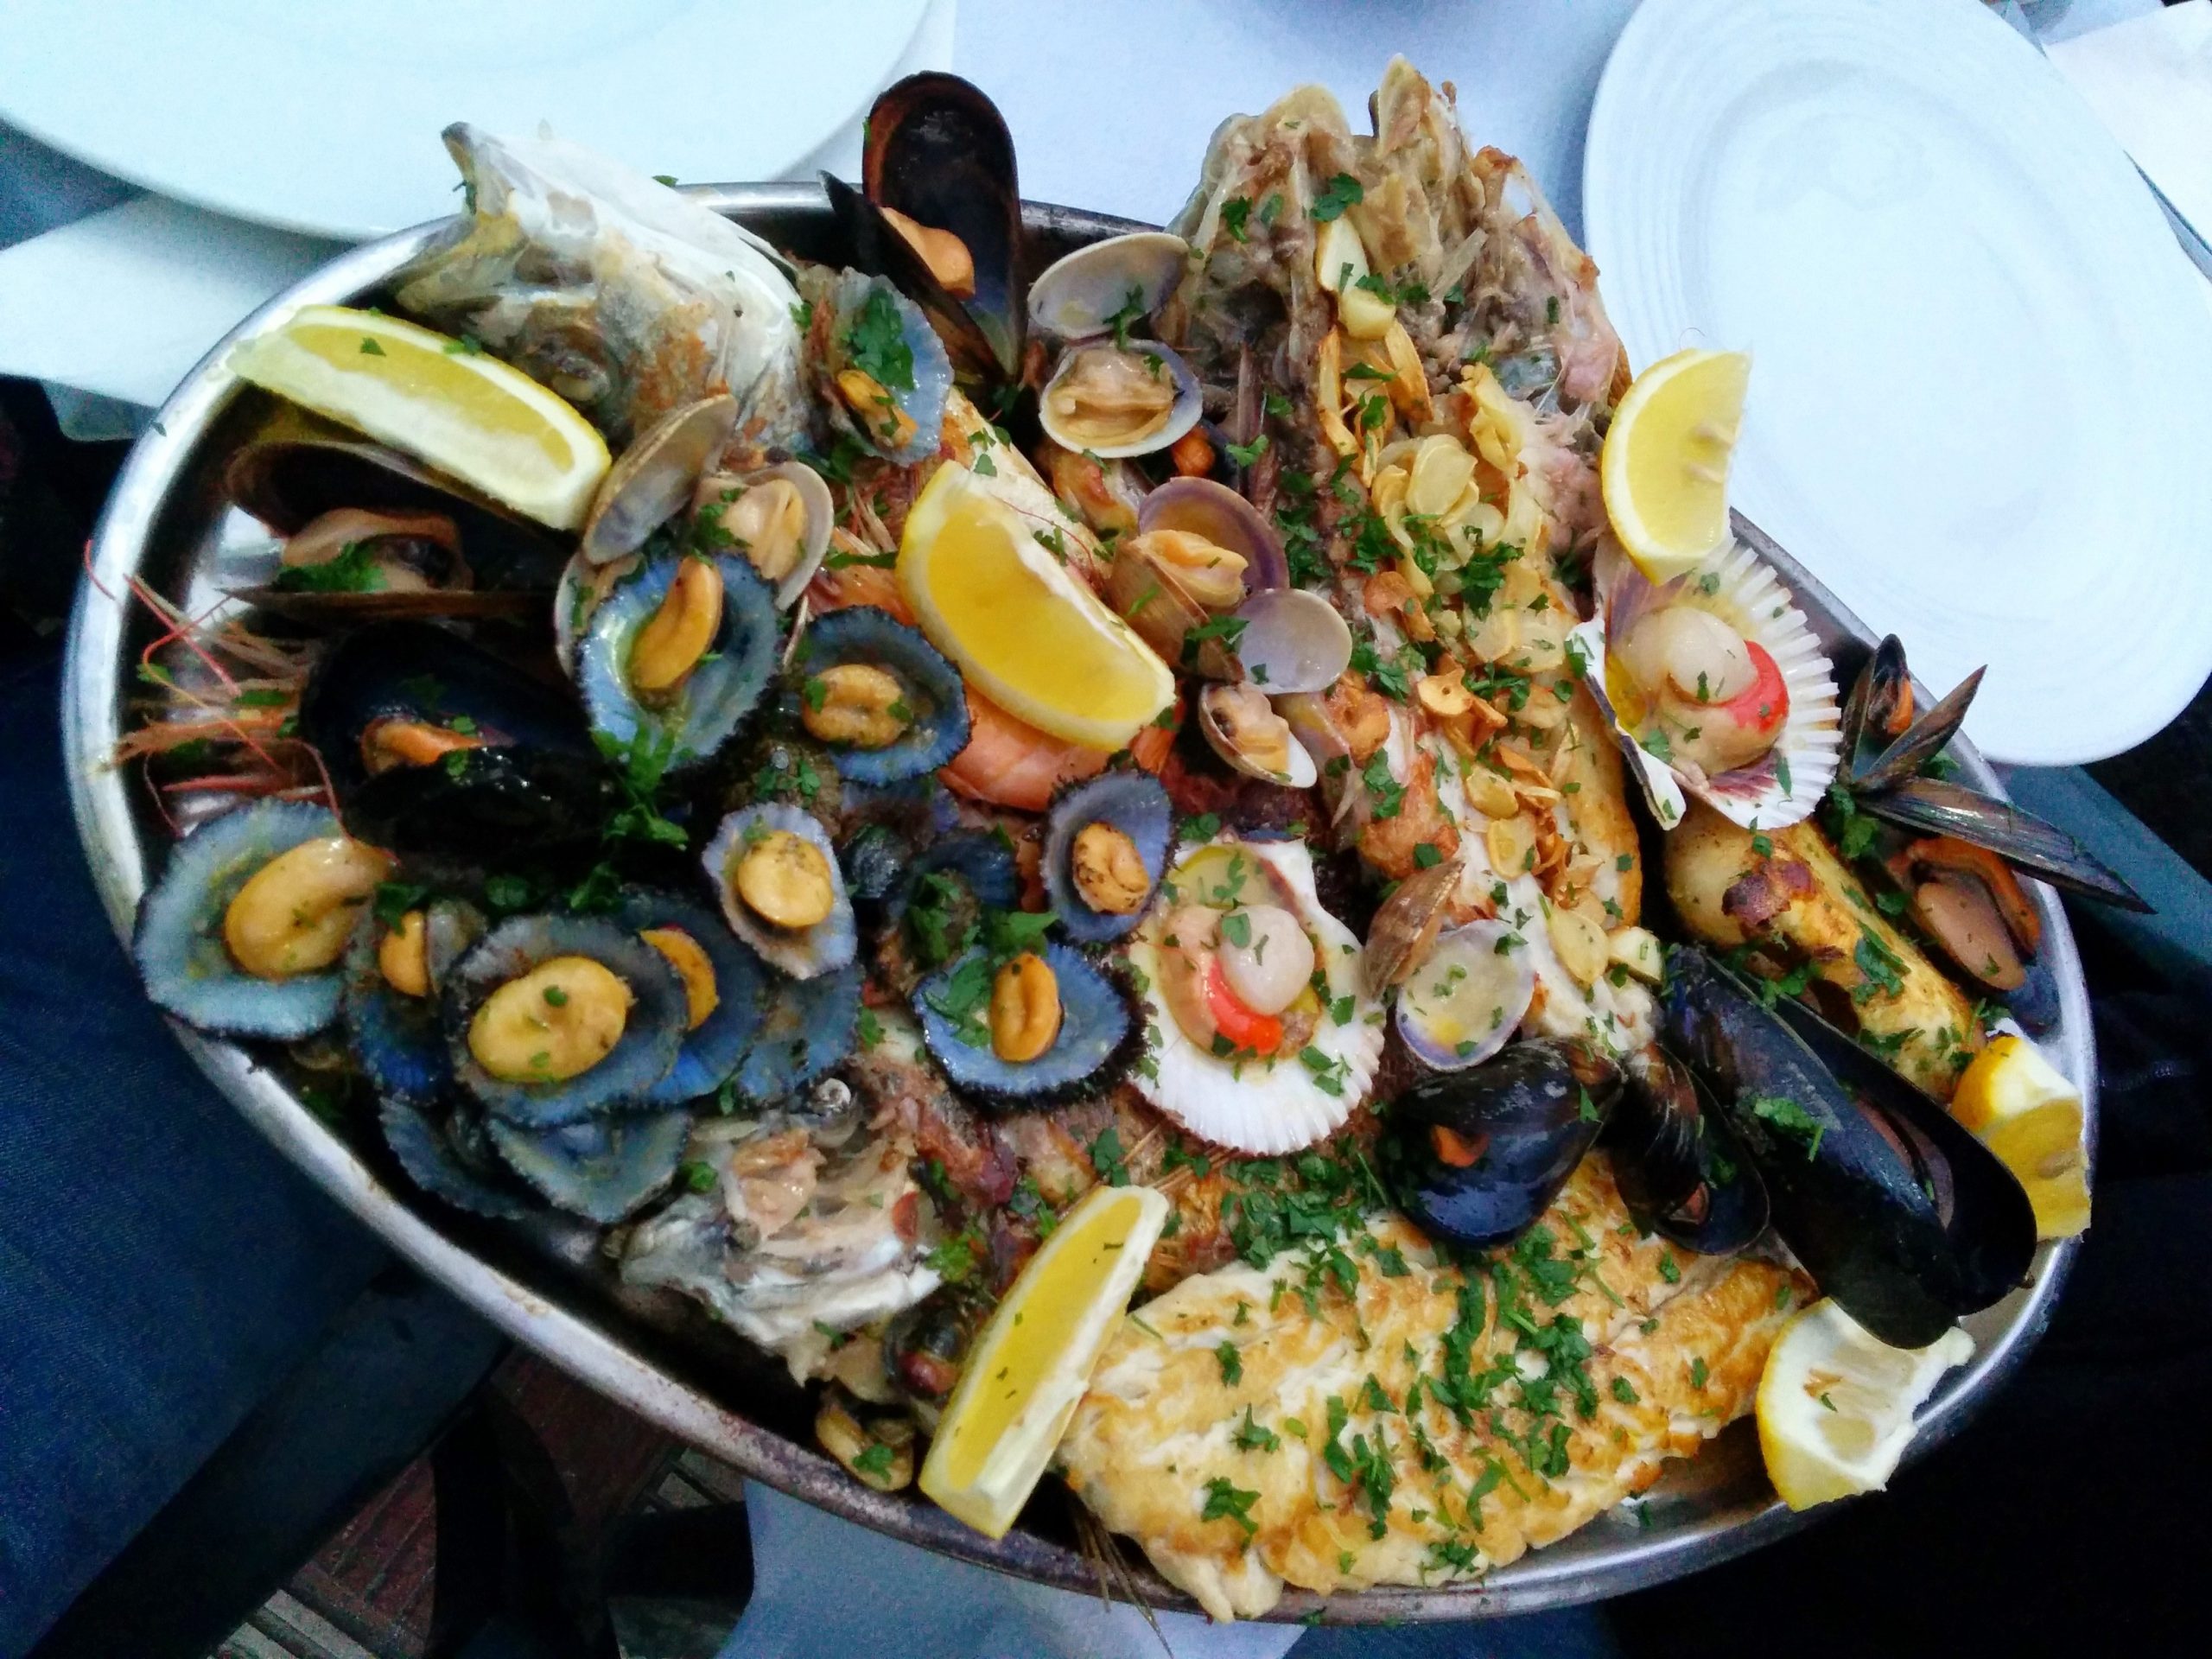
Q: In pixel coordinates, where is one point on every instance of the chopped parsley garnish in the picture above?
(1232, 1362)
(1342, 192)
(876, 343)
(1790, 1119)
(1234, 212)
(1228, 1503)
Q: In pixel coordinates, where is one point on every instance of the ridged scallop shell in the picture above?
(1785, 785)
(1265, 1108)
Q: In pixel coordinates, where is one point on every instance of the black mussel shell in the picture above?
(925, 1346)
(938, 150)
(1896, 1211)
(417, 670)
(301, 469)
(1934, 806)
(874, 245)
(1475, 1157)
(1679, 1168)
(486, 806)
(535, 787)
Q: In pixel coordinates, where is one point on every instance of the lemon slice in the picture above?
(462, 412)
(2029, 1115)
(1028, 632)
(1665, 467)
(1032, 1362)
(1835, 1406)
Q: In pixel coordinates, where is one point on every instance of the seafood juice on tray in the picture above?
(1067, 849)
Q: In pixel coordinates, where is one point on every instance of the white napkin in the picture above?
(2150, 80)
(123, 303)
(824, 1585)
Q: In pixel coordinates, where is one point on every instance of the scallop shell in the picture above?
(1265, 1108)
(1785, 785)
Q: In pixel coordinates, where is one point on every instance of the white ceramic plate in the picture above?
(1980, 407)
(325, 117)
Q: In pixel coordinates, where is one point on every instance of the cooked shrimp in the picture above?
(1009, 762)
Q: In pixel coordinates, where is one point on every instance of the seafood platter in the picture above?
(1171, 909)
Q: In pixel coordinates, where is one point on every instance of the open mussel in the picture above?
(1887, 756)
(678, 653)
(1896, 1211)
(1476, 1156)
(368, 532)
(1105, 851)
(434, 746)
(878, 696)
(245, 932)
(552, 1019)
(1681, 1170)
(937, 155)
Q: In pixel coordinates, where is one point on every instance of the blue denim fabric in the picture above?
(160, 1267)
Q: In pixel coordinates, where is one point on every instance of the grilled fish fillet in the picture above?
(1246, 1441)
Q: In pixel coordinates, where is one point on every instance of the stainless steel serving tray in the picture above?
(546, 1284)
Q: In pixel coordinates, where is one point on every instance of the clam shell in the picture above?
(1079, 295)
(1292, 641)
(1190, 404)
(1785, 785)
(655, 477)
(1465, 1000)
(1212, 510)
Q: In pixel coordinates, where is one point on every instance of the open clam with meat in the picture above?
(1152, 787)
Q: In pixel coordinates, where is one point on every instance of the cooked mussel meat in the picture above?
(883, 375)
(1474, 1157)
(552, 1019)
(1105, 849)
(1896, 1211)
(937, 155)
(776, 873)
(244, 931)
(1886, 751)
(1027, 1027)
(878, 696)
(434, 746)
(679, 654)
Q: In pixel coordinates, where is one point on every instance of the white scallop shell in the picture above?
(1263, 1108)
(1785, 785)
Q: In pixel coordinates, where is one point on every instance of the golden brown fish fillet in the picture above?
(1245, 1439)
(1803, 902)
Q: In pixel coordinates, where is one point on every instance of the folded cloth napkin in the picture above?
(2150, 80)
(122, 304)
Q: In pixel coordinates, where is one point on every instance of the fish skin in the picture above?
(1160, 1419)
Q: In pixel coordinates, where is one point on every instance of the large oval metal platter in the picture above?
(545, 1284)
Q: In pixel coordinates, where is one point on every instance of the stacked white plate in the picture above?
(1982, 393)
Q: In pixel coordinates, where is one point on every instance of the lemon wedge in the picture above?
(1835, 1406)
(457, 410)
(1031, 1363)
(1024, 629)
(2029, 1115)
(1665, 468)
